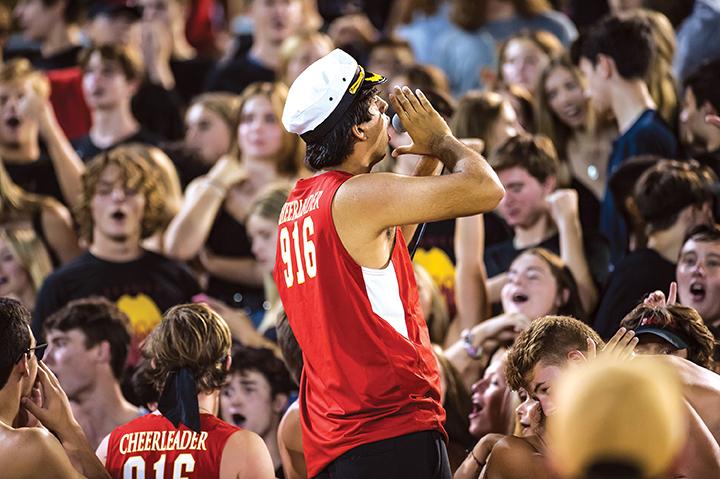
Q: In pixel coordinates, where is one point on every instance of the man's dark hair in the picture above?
(704, 84)
(628, 41)
(704, 234)
(14, 335)
(534, 153)
(144, 391)
(99, 320)
(663, 191)
(128, 58)
(339, 142)
(74, 9)
(264, 361)
(292, 354)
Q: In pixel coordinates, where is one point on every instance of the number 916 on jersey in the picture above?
(297, 251)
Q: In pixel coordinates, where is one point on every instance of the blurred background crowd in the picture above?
(143, 164)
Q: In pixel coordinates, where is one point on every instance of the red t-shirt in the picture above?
(369, 372)
(68, 102)
(151, 447)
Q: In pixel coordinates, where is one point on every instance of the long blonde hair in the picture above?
(30, 252)
(546, 121)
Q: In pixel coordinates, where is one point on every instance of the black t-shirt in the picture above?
(36, 176)
(143, 288)
(87, 150)
(190, 76)
(496, 229)
(159, 111)
(187, 163)
(711, 159)
(237, 74)
(228, 237)
(65, 59)
(500, 256)
(436, 253)
(637, 275)
(588, 205)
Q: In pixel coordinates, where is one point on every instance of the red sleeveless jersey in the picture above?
(150, 447)
(369, 372)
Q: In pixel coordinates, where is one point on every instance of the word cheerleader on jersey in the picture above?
(150, 447)
(369, 372)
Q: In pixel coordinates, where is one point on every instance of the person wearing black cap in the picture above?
(672, 329)
(370, 390)
(672, 197)
(189, 357)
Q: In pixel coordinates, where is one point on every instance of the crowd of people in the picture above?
(236, 266)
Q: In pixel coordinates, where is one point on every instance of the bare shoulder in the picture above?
(27, 451)
(289, 430)
(366, 187)
(242, 438)
(516, 458)
(246, 456)
(516, 445)
(690, 373)
(53, 212)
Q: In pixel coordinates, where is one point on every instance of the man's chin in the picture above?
(11, 144)
(117, 237)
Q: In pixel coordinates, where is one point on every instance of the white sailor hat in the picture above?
(323, 92)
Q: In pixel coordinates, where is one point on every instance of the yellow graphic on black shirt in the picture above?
(143, 313)
(442, 271)
(438, 265)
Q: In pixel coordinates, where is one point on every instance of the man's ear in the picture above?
(606, 66)
(104, 351)
(359, 133)
(550, 184)
(562, 297)
(279, 402)
(134, 86)
(708, 109)
(22, 367)
(575, 356)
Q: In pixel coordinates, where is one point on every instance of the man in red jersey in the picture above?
(189, 354)
(369, 393)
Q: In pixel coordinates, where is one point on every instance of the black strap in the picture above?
(178, 401)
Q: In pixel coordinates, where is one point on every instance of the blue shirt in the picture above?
(551, 21)
(697, 38)
(649, 135)
(422, 34)
(462, 55)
